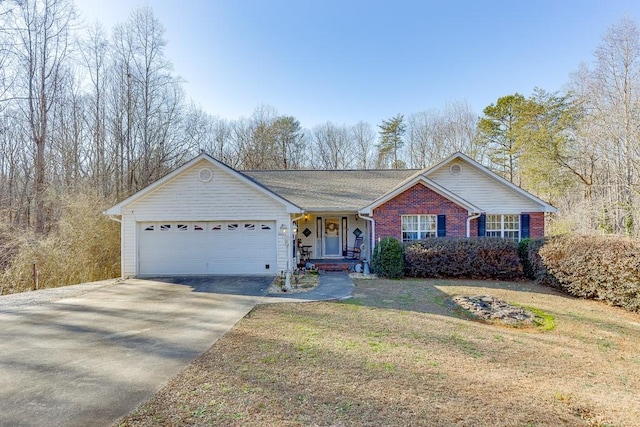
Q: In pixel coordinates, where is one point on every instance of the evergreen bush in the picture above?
(388, 259)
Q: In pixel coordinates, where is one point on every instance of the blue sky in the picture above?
(346, 61)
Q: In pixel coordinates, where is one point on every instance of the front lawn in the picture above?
(400, 353)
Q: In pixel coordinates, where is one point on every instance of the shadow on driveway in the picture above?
(249, 285)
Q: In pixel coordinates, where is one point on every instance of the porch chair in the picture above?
(305, 253)
(354, 252)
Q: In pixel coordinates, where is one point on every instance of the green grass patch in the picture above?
(543, 320)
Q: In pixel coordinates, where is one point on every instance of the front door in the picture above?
(332, 237)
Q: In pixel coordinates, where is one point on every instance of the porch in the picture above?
(332, 238)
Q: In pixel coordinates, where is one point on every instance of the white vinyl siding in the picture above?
(505, 226)
(418, 227)
(481, 190)
(222, 198)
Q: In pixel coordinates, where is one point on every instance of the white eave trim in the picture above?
(117, 209)
(368, 210)
(546, 207)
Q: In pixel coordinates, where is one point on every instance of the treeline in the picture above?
(86, 106)
(579, 149)
(102, 109)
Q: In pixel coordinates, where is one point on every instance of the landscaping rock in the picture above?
(494, 309)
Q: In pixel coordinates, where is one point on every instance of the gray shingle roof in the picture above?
(325, 190)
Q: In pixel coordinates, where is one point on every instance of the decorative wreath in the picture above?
(331, 227)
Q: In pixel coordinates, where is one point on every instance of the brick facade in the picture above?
(418, 200)
(536, 224)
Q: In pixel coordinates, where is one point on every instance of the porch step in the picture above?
(343, 266)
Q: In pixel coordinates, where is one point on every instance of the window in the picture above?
(165, 227)
(183, 227)
(418, 227)
(505, 226)
(232, 227)
(249, 227)
(150, 228)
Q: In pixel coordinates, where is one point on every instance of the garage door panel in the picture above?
(233, 247)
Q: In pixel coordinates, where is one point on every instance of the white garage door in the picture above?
(238, 247)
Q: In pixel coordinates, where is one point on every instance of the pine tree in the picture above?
(391, 133)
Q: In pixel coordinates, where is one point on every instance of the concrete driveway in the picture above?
(90, 359)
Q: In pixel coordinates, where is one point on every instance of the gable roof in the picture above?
(117, 209)
(340, 190)
(546, 207)
(420, 178)
(331, 190)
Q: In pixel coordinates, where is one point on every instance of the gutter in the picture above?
(373, 234)
(469, 218)
(113, 218)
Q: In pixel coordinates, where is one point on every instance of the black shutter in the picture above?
(345, 236)
(524, 226)
(442, 225)
(482, 225)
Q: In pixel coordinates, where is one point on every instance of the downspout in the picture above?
(373, 234)
(469, 218)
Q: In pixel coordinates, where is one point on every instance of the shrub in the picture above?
(523, 253)
(83, 246)
(478, 258)
(599, 267)
(533, 265)
(387, 258)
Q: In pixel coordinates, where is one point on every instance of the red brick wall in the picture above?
(536, 224)
(474, 228)
(420, 200)
(415, 201)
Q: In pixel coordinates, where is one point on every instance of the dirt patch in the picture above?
(299, 282)
(402, 353)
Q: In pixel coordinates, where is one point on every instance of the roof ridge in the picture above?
(329, 170)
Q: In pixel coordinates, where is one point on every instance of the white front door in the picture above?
(332, 237)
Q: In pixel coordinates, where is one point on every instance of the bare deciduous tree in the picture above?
(363, 137)
(43, 34)
(332, 148)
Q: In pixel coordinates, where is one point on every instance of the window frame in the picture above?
(423, 226)
(505, 226)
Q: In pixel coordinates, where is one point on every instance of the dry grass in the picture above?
(83, 246)
(400, 354)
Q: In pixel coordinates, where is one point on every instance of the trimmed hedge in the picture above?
(387, 259)
(599, 267)
(474, 258)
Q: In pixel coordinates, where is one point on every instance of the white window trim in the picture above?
(427, 232)
(502, 230)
